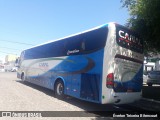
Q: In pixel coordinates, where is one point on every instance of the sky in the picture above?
(26, 23)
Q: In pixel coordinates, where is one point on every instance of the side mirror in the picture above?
(17, 61)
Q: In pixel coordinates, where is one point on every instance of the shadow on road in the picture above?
(89, 107)
(98, 110)
(151, 92)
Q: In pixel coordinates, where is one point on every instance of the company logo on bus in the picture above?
(128, 38)
(72, 51)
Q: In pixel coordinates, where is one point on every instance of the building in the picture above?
(152, 63)
(10, 58)
(1, 62)
(149, 66)
(10, 62)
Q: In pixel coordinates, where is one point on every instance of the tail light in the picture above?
(110, 80)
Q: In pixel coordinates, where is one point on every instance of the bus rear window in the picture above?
(128, 39)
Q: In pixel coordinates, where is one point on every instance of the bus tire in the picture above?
(59, 89)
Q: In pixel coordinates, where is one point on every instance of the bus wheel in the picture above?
(59, 89)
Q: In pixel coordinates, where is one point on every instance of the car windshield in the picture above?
(155, 72)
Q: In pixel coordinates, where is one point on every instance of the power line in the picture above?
(11, 48)
(17, 42)
(7, 53)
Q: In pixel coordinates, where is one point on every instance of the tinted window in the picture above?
(155, 73)
(84, 43)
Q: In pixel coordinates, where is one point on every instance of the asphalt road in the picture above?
(18, 96)
(151, 92)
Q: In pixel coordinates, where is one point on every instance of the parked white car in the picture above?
(153, 78)
(14, 69)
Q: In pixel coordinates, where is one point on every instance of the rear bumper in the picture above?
(128, 97)
(123, 97)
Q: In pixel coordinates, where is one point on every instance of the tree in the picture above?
(145, 19)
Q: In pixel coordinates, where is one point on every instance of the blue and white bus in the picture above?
(102, 65)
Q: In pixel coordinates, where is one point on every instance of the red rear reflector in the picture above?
(110, 80)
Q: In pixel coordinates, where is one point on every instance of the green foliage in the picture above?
(145, 19)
